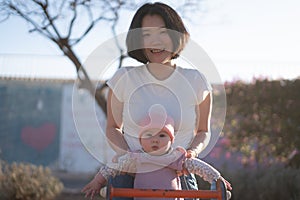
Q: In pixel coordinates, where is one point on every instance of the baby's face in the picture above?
(155, 142)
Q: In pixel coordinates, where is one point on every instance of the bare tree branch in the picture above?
(72, 22)
(67, 22)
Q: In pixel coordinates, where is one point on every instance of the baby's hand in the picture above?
(227, 183)
(94, 186)
(184, 171)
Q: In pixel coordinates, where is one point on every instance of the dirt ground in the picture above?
(65, 196)
(75, 196)
(73, 183)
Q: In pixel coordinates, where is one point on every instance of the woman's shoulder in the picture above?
(190, 72)
(130, 69)
(123, 71)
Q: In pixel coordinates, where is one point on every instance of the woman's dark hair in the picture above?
(174, 25)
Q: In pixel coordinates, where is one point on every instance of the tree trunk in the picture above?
(85, 82)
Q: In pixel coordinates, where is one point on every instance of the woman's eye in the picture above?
(146, 35)
(163, 31)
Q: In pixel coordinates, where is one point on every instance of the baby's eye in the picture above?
(162, 135)
(147, 135)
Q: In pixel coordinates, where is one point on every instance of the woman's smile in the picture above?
(157, 50)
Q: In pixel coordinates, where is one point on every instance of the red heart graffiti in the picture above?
(39, 138)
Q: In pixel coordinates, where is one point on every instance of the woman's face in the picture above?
(155, 143)
(157, 43)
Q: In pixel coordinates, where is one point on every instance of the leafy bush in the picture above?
(262, 120)
(27, 182)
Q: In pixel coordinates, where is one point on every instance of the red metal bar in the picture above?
(155, 193)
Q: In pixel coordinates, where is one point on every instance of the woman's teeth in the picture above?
(156, 50)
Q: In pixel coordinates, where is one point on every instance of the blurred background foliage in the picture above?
(269, 183)
(263, 120)
(258, 151)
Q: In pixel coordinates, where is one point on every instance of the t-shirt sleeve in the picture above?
(203, 87)
(117, 83)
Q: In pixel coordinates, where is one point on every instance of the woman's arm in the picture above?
(203, 126)
(114, 124)
(198, 143)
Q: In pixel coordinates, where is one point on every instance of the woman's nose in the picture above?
(154, 40)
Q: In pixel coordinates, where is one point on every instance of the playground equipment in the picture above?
(218, 194)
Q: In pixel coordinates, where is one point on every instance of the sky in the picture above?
(244, 39)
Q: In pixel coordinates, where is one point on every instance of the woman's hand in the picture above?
(93, 187)
(191, 154)
(184, 171)
(116, 157)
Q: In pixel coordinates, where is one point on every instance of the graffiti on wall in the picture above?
(29, 129)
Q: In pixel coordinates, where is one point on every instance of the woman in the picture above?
(156, 37)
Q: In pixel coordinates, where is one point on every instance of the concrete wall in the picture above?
(49, 123)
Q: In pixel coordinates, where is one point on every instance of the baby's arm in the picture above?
(104, 173)
(201, 168)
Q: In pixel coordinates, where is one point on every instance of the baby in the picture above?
(157, 165)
